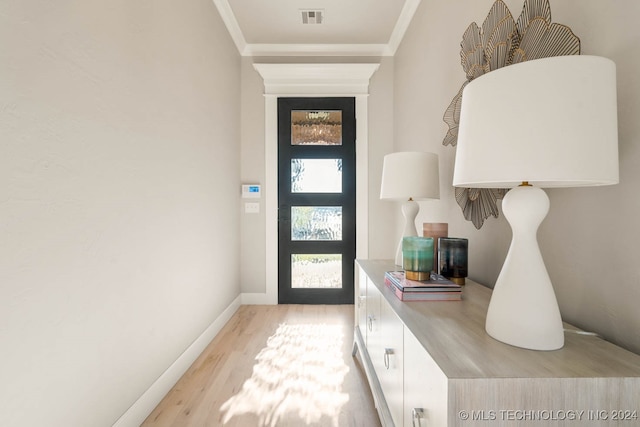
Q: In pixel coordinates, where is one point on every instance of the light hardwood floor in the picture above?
(277, 365)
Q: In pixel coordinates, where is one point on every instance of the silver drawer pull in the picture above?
(417, 415)
(371, 319)
(387, 353)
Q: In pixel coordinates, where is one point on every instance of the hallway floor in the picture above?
(278, 365)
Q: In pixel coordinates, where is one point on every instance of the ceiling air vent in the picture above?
(312, 16)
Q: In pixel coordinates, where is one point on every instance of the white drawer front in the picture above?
(391, 372)
(425, 387)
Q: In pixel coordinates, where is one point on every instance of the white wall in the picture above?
(253, 227)
(589, 239)
(382, 237)
(119, 182)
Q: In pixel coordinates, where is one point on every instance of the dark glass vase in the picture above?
(452, 258)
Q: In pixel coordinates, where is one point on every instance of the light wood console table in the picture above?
(431, 363)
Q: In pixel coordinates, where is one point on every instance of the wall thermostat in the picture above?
(251, 191)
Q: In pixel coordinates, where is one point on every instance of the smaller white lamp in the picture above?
(548, 122)
(410, 176)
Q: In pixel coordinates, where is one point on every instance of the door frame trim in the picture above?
(311, 80)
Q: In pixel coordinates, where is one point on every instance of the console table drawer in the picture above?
(425, 386)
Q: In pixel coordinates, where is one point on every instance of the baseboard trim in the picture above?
(140, 410)
(258, 299)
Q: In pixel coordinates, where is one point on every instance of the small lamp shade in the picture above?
(551, 122)
(412, 175)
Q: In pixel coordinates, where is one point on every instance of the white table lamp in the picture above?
(548, 122)
(410, 176)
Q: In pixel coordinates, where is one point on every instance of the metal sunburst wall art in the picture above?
(500, 42)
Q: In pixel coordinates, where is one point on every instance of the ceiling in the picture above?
(348, 27)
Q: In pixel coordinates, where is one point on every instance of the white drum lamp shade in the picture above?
(548, 122)
(410, 176)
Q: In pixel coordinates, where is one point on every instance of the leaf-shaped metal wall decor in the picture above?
(500, 42)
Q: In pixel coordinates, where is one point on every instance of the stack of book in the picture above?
(437, 288)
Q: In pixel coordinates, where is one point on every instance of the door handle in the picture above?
(284, 213)
(387, 353)
(417, 414)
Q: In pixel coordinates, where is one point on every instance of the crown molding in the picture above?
(316, 50)
(404, 20)
(231, 23)
(257, 49)
(312, 79)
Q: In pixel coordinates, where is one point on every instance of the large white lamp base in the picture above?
(410, 211)
(523, 310)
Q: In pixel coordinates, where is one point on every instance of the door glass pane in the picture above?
(316, 223)
(316, 127)
(316, 175)
(316, 271)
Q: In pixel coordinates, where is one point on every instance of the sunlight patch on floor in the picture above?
(300, 371)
